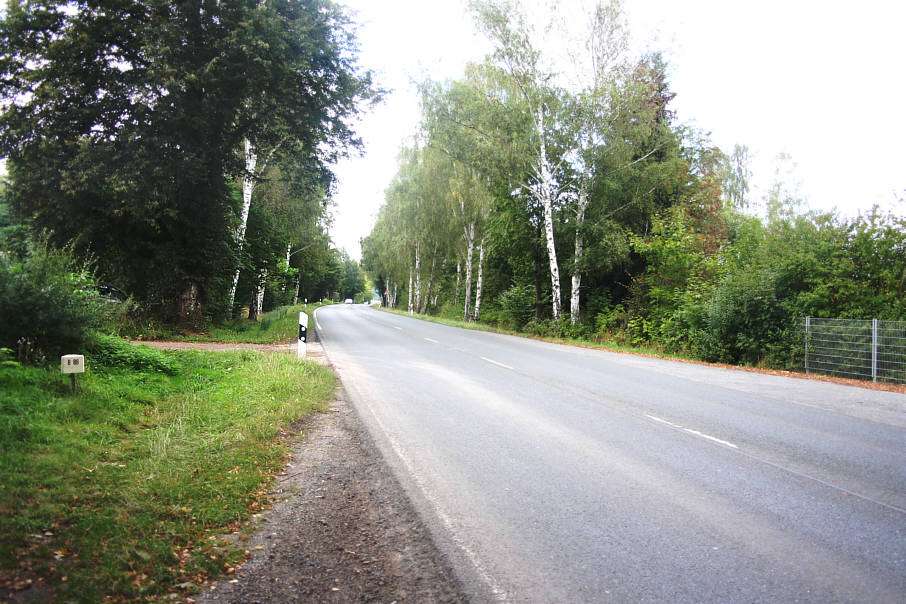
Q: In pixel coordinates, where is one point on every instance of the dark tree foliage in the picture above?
(121, 120)
(353, 281)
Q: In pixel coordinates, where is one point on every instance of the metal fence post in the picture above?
(874, 350)
(808, 324)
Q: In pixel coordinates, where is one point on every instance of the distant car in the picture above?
(110, 293)
(347, 301)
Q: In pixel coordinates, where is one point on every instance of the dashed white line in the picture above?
(432, 340)
(691, 431)
(709, 437)
(663, 421)
(397, 328)
(763, 460)
(498, 363)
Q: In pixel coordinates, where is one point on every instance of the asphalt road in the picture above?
(558, 474)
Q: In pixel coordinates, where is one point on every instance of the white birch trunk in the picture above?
(289, 247)
(409, 306)
(418, 277)
(259, 294)
(458, 281)
(478, 285)
(393, 303)
(470, 245)
(575, 311)
(546, 188)
(248, 186)
(298, 287)
(424, 309)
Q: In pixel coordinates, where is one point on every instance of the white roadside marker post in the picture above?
(303, 334)
(72, 364)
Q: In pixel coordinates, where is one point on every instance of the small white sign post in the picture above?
(303, 334)
(72, 364)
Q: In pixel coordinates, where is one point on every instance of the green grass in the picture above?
(603, 345)
(278, 325)
(123, 489)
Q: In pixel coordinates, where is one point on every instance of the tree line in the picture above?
(568, 202)
(185, 148)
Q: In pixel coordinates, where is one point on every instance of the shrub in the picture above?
(561, 328)
(742, 320)
(517, 306)
(49, 302)
(110, 351)
(611, 320)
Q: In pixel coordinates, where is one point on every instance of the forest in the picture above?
(558, 196)
(179, 154)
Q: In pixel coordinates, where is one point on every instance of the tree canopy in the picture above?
(531, 176)
(124, 125)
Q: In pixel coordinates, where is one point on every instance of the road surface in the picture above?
(549, 473)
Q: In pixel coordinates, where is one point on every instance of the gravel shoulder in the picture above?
(341, 528)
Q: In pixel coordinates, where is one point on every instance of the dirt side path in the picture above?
(342, 529)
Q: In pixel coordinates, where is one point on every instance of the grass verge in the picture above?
(479, 326)
(278, 325)
(651, 352)
(119, 493)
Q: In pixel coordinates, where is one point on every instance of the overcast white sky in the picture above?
(820, 80)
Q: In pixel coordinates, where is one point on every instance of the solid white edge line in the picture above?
(499, 364)
(314, 315)
(497, 592)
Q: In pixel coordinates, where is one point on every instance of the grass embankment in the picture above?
(278, 325)
(603, 345)
(122, 490)
(649, 351)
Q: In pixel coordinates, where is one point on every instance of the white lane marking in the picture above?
(663, 421)
(778, 466)
(709, 437)
(691, 431)
(432, 340)
(397, 328)
(314, 314)
(499, 364)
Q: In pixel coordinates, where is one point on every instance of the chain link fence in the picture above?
(867, 349)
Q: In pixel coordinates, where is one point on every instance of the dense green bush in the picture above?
(561, 328)
(517, 306)
(746, 303)
(110, 351)
(741, 319)
(612, 323)
(49, 302)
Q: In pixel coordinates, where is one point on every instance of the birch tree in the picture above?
(517, 53)
(250, 177)
(468, 122)
(598, 73)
